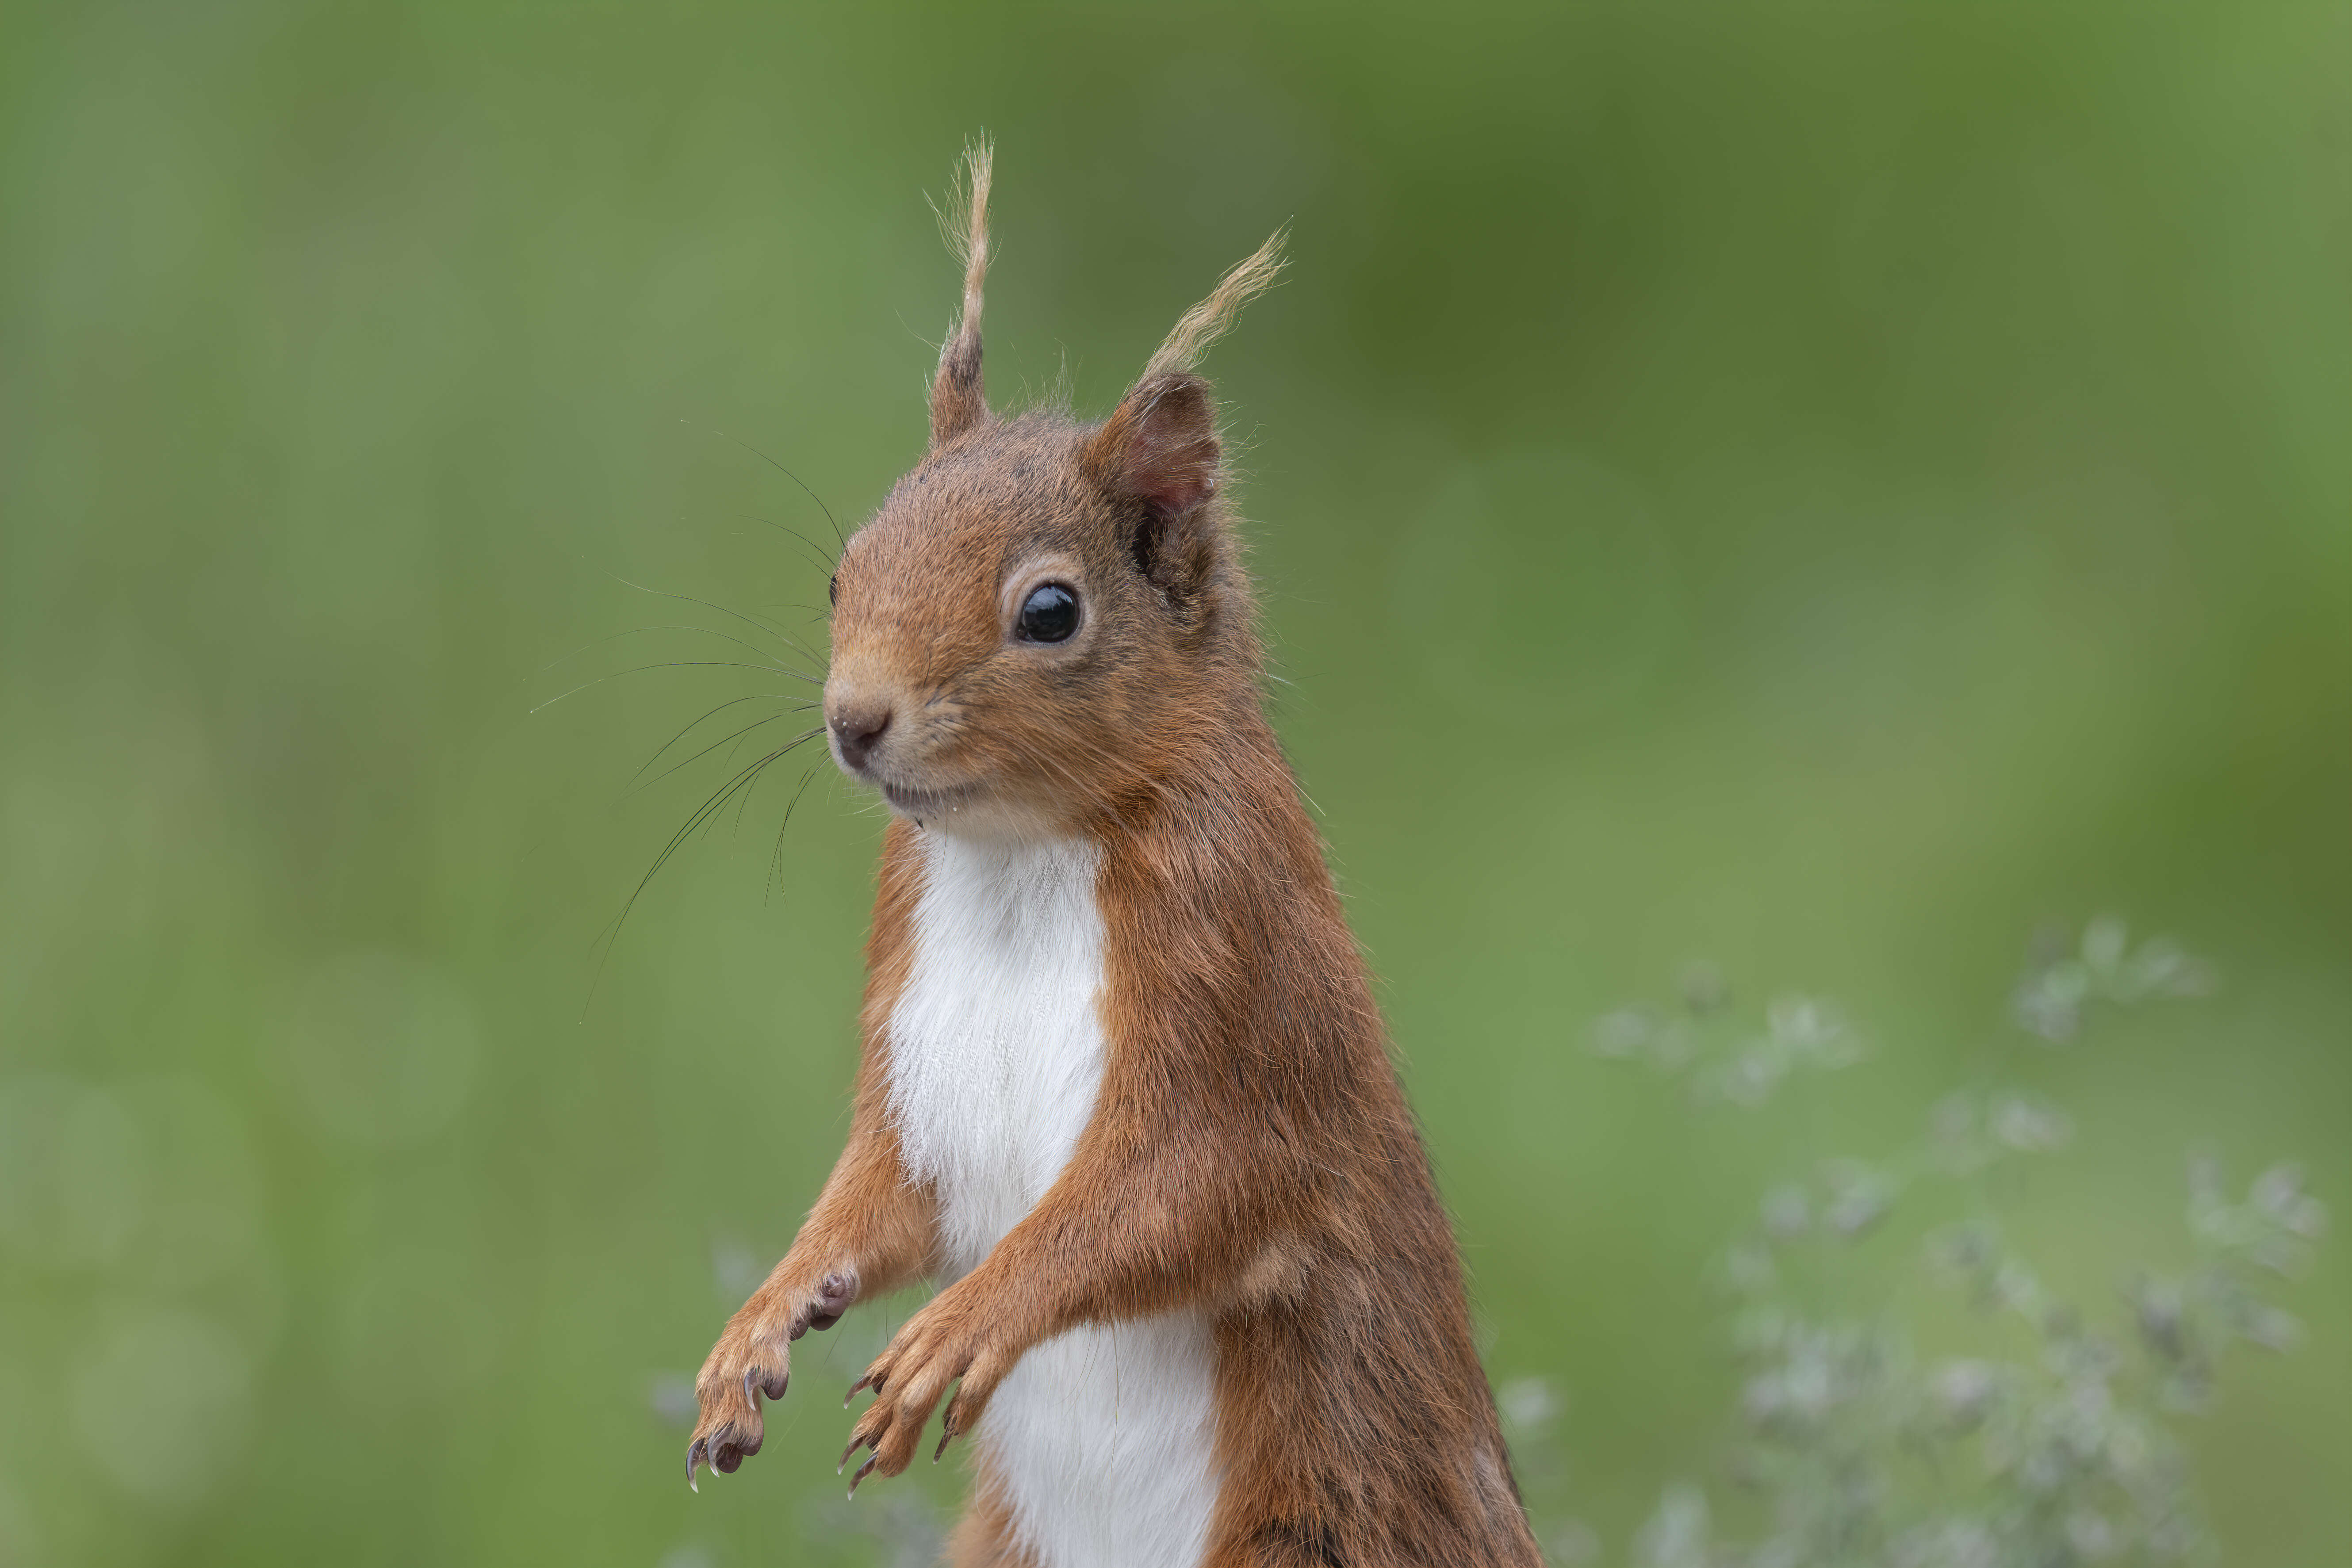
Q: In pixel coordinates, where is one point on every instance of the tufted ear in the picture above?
(957, 401)
(1159, 449)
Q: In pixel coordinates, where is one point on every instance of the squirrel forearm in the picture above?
(1132, 1237)
(870, 1229)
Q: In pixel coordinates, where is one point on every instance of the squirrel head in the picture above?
(1046, 618)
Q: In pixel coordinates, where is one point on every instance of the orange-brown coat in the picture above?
(1248, 1157)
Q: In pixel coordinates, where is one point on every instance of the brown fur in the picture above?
(1250, 1155)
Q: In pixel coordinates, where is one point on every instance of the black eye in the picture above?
(833, 591)
(1049, 614)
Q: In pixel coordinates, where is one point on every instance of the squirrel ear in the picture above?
(957, 401)
(1159, 446)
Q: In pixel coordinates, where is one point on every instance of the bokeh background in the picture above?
(1825, 489)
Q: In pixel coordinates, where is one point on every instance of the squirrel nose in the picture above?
(856, 730)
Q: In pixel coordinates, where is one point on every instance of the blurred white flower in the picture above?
(2029, 1124)
(1528, 1403)
(1964, 1389)
(1677, 1534)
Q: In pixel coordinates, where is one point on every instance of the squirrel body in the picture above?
(1123, 1093)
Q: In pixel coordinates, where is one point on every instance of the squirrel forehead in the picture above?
(974, 511)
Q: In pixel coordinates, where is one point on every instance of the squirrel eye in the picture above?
(1049, 614)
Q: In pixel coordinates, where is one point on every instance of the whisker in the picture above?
(737, 737)
(731, 750)
(759, 771)
(716, 803)
(743, 802)
(760, 622)
(640, 630)
(797, 646)
(748, 646)
(681, 735)
(823, 561)
(770, 627)
(736, 832)
(684, 664)
(776, 855)
(796, 479)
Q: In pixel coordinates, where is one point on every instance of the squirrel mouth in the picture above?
(924, 804)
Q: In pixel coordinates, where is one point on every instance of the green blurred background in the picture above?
(1824, 488)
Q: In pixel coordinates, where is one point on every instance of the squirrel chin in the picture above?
(970, 812)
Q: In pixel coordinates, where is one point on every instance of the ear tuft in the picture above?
(958, 398)
(1159, 446)
(1213, 318)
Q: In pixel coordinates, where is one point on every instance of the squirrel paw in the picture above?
(729, 1388)
(752, 1359)
(944, 1342)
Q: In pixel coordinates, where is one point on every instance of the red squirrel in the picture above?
(1124, 1093)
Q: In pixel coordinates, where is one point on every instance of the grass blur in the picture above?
(1827, 489)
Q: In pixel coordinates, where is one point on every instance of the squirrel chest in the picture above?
(1100, 1439)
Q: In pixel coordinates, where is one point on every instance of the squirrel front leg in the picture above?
(869, 1233)
(1148, 1227)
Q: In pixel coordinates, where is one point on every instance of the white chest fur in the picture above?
(1101, 1437)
